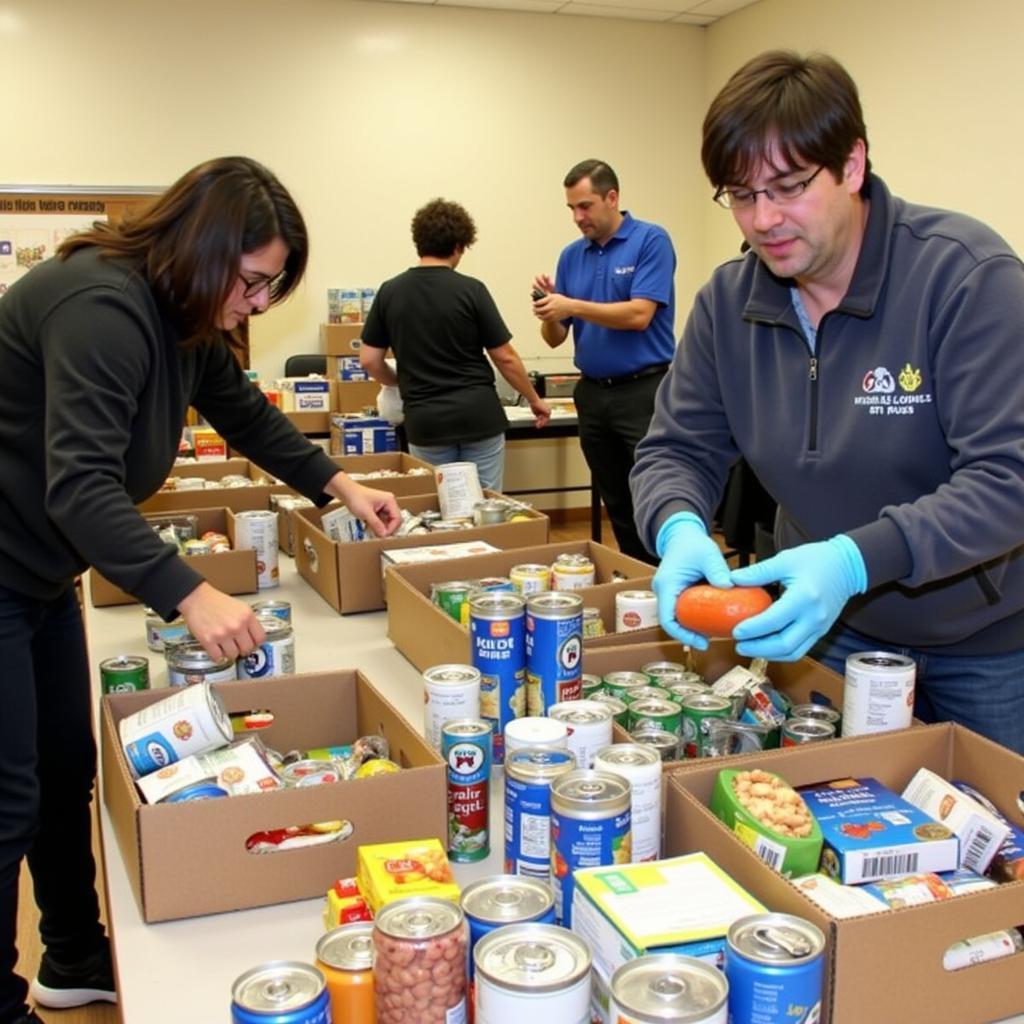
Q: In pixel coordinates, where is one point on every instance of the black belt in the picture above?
(626, 378)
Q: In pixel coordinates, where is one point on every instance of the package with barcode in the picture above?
(981, 833)
(870, 832)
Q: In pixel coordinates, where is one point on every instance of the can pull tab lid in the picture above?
(508, 899)
(278, 992)
(668, 989)
(777, 942)
(534, 958)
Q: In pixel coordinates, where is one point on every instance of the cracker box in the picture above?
(305, 394)
(1008, 863)
(870, 832)
(391, 871)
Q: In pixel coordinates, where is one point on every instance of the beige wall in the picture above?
(365, 111)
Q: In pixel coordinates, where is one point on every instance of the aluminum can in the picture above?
(344, 956)
(775, 964)
(635, 609)
(641, 766)
(197, 791)
(452, 597)
(726, 737)
(188, 664)
(651, 692)
(274, 606)
(669, 988)
(189, 721)
(619, 684)
(126, 673)
(669, 671)
(528, 777)
(819, 712)
(696, 710)
(281, 992)
(275, 656)
(554, 650)
(590, 727)
(535, 731)
(590, 827)
(590, 684)
(667, 744)
(494, 583)
(879, 692)
(530, 577)
(655, 713)
(685, 688)
(497, 629)
(572, 572)
(420, 936)
(309, 772)
(501, 900)
(535, 972)
(466, 745)
(159, 633)
(258, 530)
(491, 511)
(458, 489)
(806, 730)
(619, 708)
(449, 692)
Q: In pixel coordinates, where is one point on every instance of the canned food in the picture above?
(449, 692)
(663, 673)
(806, 730)
(275, 656)
(282, 991)
(619, 708)
(669, 988)
(665, 743)
(258, 530)
(775, 967)
(530, 577)
(344, 956)
(648, 693)
(532, 972)
(423, 937)
(535, 731)
(190, 721)
(274, 606)
(590, 684)
(726, 737)
(879, 693)
(218, 542)
(309, 772)
(590, 827)
(159, 633)
(554, 650)
(677, 691)
(188, 664)
(641, 766)
(466, 745)
(497, 628)
(620, 684)
(655, 713)
(196, 791)
(490, 512)
(452, 597)
(635, 609)
(126, 673)
(590, 727)
(696, 711)
(458, 489)
(572, 572)
(494, 583)
(528, 777)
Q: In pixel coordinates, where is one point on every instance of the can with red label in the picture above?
(466, 748)
(554, 650)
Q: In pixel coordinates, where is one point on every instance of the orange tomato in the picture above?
(713, 612)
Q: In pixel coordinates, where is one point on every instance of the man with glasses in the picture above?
(864, 356)
(614, 287)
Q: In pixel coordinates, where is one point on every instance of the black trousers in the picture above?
(612, 422)
(47, 770)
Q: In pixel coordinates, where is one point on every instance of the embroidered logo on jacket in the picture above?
(880, 397)
(625, 270)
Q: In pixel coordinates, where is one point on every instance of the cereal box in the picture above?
(391, 871)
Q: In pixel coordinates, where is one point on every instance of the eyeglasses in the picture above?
(255, 286)
(738, 198)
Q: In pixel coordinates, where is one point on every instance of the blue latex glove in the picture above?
(688, 555)
(819, 579)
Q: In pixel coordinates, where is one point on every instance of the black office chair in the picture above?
(302, 366)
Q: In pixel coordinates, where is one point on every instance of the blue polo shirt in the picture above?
(637, 262)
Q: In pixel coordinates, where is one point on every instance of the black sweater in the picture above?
(94, 388)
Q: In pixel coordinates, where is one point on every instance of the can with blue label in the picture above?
(500, 900)
(590, 827)
(197, 791)
(281, 992)
(529, 773)
(775, 964)
(275, 656)
(497, 627)
(466, 745)
(554, 649)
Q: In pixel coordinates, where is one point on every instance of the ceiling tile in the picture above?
(536, 6)
(600, 11)
(719, 8)
(692, 19)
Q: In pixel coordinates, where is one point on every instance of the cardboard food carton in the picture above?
(238, 499)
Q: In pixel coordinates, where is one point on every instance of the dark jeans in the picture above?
(613, 420)
(47, 770)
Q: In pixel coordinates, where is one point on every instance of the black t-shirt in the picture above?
(438, 323)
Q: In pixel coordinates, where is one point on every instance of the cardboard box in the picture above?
(189, 858)
(353, 396)
(238, 499)
(885, 966)
(395, 462)
(348, 576)
(427, 636)
(231, 572)
(340, 339)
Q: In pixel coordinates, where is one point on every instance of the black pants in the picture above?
(612, 422)
(47, 770)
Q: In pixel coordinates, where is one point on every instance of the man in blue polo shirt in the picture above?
(614, 287)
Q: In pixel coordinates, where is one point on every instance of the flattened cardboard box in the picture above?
(189, 858)
(882, 967)
(231, 572)
(348, 576)
(238, 499)
(427, 636)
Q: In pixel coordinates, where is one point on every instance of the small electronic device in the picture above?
(538, 294)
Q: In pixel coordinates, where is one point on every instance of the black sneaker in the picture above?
(60, 986)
